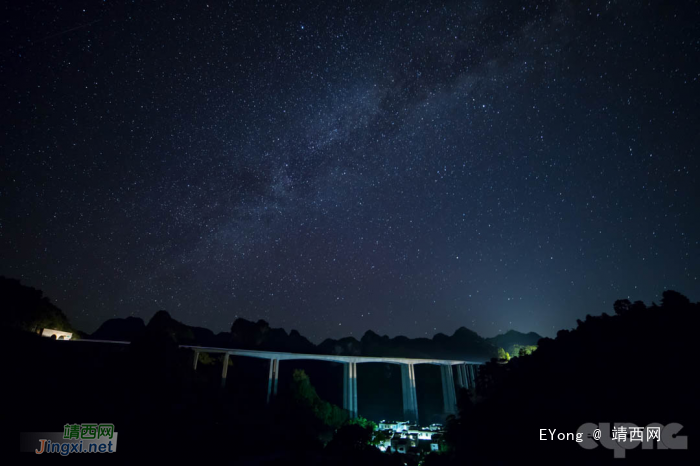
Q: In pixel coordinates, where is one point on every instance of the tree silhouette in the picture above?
(27, 308)
(594, 373)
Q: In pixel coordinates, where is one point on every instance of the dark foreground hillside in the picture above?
(162, 409)
(638, 366)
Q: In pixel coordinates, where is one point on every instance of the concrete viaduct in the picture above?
(466, 375)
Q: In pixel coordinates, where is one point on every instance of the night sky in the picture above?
(406, 167)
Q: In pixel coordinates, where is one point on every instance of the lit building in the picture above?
(400, 445)
(409, 438)
(420, 434)
(396, 426)
(56, 334)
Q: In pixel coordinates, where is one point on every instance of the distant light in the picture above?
(56, 334)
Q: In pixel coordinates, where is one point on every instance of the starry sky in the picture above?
(333, 167)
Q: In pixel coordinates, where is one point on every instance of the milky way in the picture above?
(409, 167)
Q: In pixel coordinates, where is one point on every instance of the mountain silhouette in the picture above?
(245, 334)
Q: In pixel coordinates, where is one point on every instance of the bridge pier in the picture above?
(224, 371)
(448, 389)
(471, 376)
(272, 379)
(350, 388)
(461, 378)
(408, 389)
(466, 374)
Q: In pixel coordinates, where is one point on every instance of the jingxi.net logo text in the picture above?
(75, 438)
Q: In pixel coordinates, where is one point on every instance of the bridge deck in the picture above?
(327, 357)
(318, 357)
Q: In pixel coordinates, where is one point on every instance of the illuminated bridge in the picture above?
(465, 371)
